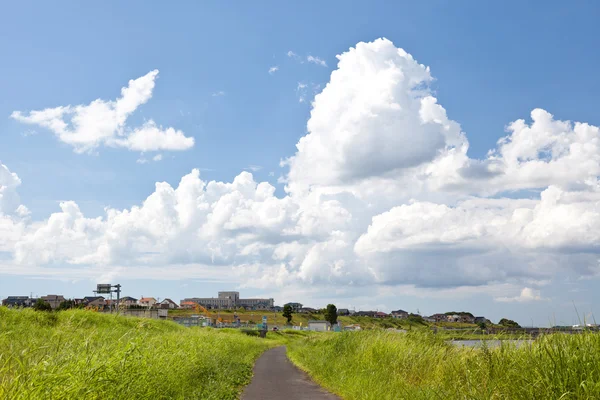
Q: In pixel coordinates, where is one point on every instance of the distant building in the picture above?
(94, 301)
(54, 300)
(467, 318)
(453, 318)
(399, 314)
(168, 304)
(307, 310)
(355, 327)
(365, 314)
(381, 314)
(231, 300)
(295, 307)
(127, 301)
(439, 317)
(187, 305)
(18, 301)
(343, 311)
(319, 326)
(148, 302)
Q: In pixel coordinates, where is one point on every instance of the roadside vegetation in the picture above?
(81, 354)
(421, 365)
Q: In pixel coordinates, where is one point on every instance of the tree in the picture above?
(331, 314)
(65, 305)
(509, 323)
(41, 305)
(287, 313)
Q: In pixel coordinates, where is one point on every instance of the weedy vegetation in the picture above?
(420, 365)
(86, 355)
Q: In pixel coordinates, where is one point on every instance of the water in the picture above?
(490, 343)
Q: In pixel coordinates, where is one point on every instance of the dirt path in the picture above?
(275, 378)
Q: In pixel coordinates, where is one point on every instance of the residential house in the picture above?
(453, 318)
(277, 308)
(94, 301)
(54, 300)
(439, 317)
(148, 302)
(354, 327)
(127, 301)
(365, 314)
(381, 314)
(467, 318)
(78, 302)
(168, 304)
(428, 319)
(399, 314)
(319, 326)
(343, 311)
(188, 305)
(18, 301)
(307, 310)
(295, 307)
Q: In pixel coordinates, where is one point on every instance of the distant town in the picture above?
(153, 307)
(226, 300)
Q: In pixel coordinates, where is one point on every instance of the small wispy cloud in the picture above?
(253, 167)
(291, 54)
(273, 69)
(306, 90)
(29, 132)
(219, 93)
(316, 60)
(143, 160)
(271, 173)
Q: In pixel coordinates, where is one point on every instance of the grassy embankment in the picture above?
(274, 318)
(86, 355)
(449, 330)
(387, 365)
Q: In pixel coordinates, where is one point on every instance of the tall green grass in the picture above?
(386, 365)
(85, 355)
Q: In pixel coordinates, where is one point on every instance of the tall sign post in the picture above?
(107, 288)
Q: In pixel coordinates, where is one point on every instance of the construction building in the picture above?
(231, 300)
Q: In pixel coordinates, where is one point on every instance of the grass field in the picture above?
(418, 365)
(86, 355)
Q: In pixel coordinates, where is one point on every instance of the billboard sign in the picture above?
(103, 288)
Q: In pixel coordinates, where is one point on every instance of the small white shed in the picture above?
(319, 326)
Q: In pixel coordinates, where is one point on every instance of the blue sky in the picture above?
(492, 64)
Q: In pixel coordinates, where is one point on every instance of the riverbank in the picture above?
(386, 365)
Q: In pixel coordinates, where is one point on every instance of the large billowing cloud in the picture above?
(104, 122)
(381, 191)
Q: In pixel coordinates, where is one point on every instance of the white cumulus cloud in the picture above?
(381, 192)
(526, 295)
(87, 127)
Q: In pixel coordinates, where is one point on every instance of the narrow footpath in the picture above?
(276, 378)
